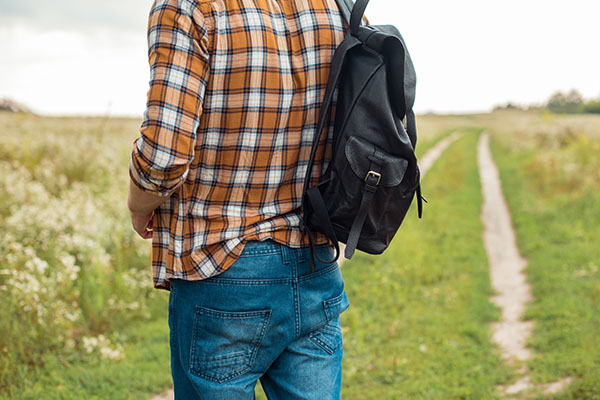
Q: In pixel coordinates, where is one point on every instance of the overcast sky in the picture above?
(90, 57)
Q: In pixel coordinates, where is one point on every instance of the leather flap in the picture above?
(360, 154)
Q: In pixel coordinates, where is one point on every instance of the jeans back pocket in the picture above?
(225, 343)
(329, 336)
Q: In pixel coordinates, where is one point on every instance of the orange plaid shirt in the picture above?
(235, 92)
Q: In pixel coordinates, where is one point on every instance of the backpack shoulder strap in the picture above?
(345, 7)
(334, 76)
(358, 12)
(353, 13)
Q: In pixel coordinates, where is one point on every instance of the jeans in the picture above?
(267, 317)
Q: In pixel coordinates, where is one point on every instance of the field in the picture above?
(80, 319)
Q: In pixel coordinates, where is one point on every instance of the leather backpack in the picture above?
(369, 184)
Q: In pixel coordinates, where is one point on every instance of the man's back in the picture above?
(236, 87)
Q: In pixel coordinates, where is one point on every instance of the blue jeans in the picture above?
(267, 317)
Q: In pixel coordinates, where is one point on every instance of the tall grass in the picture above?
(71, 269)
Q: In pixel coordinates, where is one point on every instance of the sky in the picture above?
(90, 57)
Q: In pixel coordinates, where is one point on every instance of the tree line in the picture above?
(571, 102)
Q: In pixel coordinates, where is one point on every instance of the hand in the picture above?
(142, 224)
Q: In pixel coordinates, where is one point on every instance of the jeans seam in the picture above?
(246, 282)
(296, 297)
(334, 301)
(231, 315)
(253, 253)
(318, 274)
(173, 338)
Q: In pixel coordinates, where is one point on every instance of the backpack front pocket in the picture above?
(225, 343)
(360, 161)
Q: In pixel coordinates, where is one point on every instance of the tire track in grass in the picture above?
(425, 164)
(508, 280)
(436, 151)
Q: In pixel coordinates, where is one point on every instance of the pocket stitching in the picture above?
(229, 315)
(314, 336)
(329, 304)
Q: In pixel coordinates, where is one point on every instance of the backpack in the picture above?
(368, 186)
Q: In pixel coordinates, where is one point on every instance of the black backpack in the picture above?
(365, 192)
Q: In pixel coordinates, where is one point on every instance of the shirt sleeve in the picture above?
(178, 57)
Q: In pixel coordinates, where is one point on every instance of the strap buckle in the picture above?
(374, 175)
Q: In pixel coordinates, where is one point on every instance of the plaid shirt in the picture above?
(235, 92)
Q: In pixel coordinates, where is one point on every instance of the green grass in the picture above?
(425, 144)
(143, 371)
(418, 325)
(558, 231)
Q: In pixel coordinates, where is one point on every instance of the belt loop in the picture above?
(302, 254)
(285, 254)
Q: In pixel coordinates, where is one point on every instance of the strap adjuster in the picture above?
(375, 175)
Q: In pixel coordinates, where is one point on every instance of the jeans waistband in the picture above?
(288, 254)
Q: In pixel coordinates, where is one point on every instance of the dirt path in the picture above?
(427, 161)
(508, 279)
(169, 395)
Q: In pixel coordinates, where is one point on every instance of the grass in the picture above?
(143, 371)
(557, 220)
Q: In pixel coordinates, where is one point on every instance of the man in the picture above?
(216, 182)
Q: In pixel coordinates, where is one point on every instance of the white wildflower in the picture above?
(89, 343)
